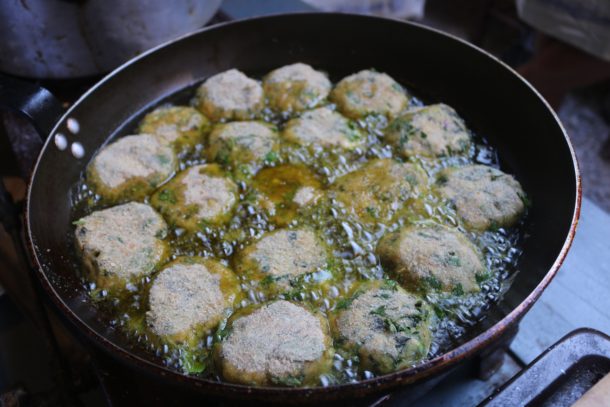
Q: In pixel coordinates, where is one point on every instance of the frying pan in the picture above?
(495, 102)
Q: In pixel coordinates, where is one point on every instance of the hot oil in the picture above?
(351, 245)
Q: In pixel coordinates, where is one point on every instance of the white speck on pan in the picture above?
(78, 151)
(73, 125)
(61, 142)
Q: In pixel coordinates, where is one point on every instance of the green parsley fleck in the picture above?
(271, 157)
(290, 381)
(267, 280)
(343, 303)
(380, 310)
(453, 260)
(458, 289)
(167, 195)
(391, 284)
(432, 282)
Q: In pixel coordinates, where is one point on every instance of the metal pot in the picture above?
(73, 38)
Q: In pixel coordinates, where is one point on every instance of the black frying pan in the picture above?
(492, 98)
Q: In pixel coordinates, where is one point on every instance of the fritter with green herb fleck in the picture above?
(379, 189)
(429, 131)
(369, 92)
(131, 167)
(428, 256)
(282, 256)
(189, 297)
(279, 343)
(121, 243)
(230, 95)
(182, 127)
(296, 87)
(388, 327)
(197, 197)
(243, 147)
(484, 197)
(323, 127)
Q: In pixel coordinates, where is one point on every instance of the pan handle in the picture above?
(29, 113)
(38, 108)
(36, 103)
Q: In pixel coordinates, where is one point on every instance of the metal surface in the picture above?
(36, 103)
(240, 9)
(559, 376)
(64, 39)
(27, 111)
(494, 101)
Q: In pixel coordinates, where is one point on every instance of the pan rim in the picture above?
(394, 379)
